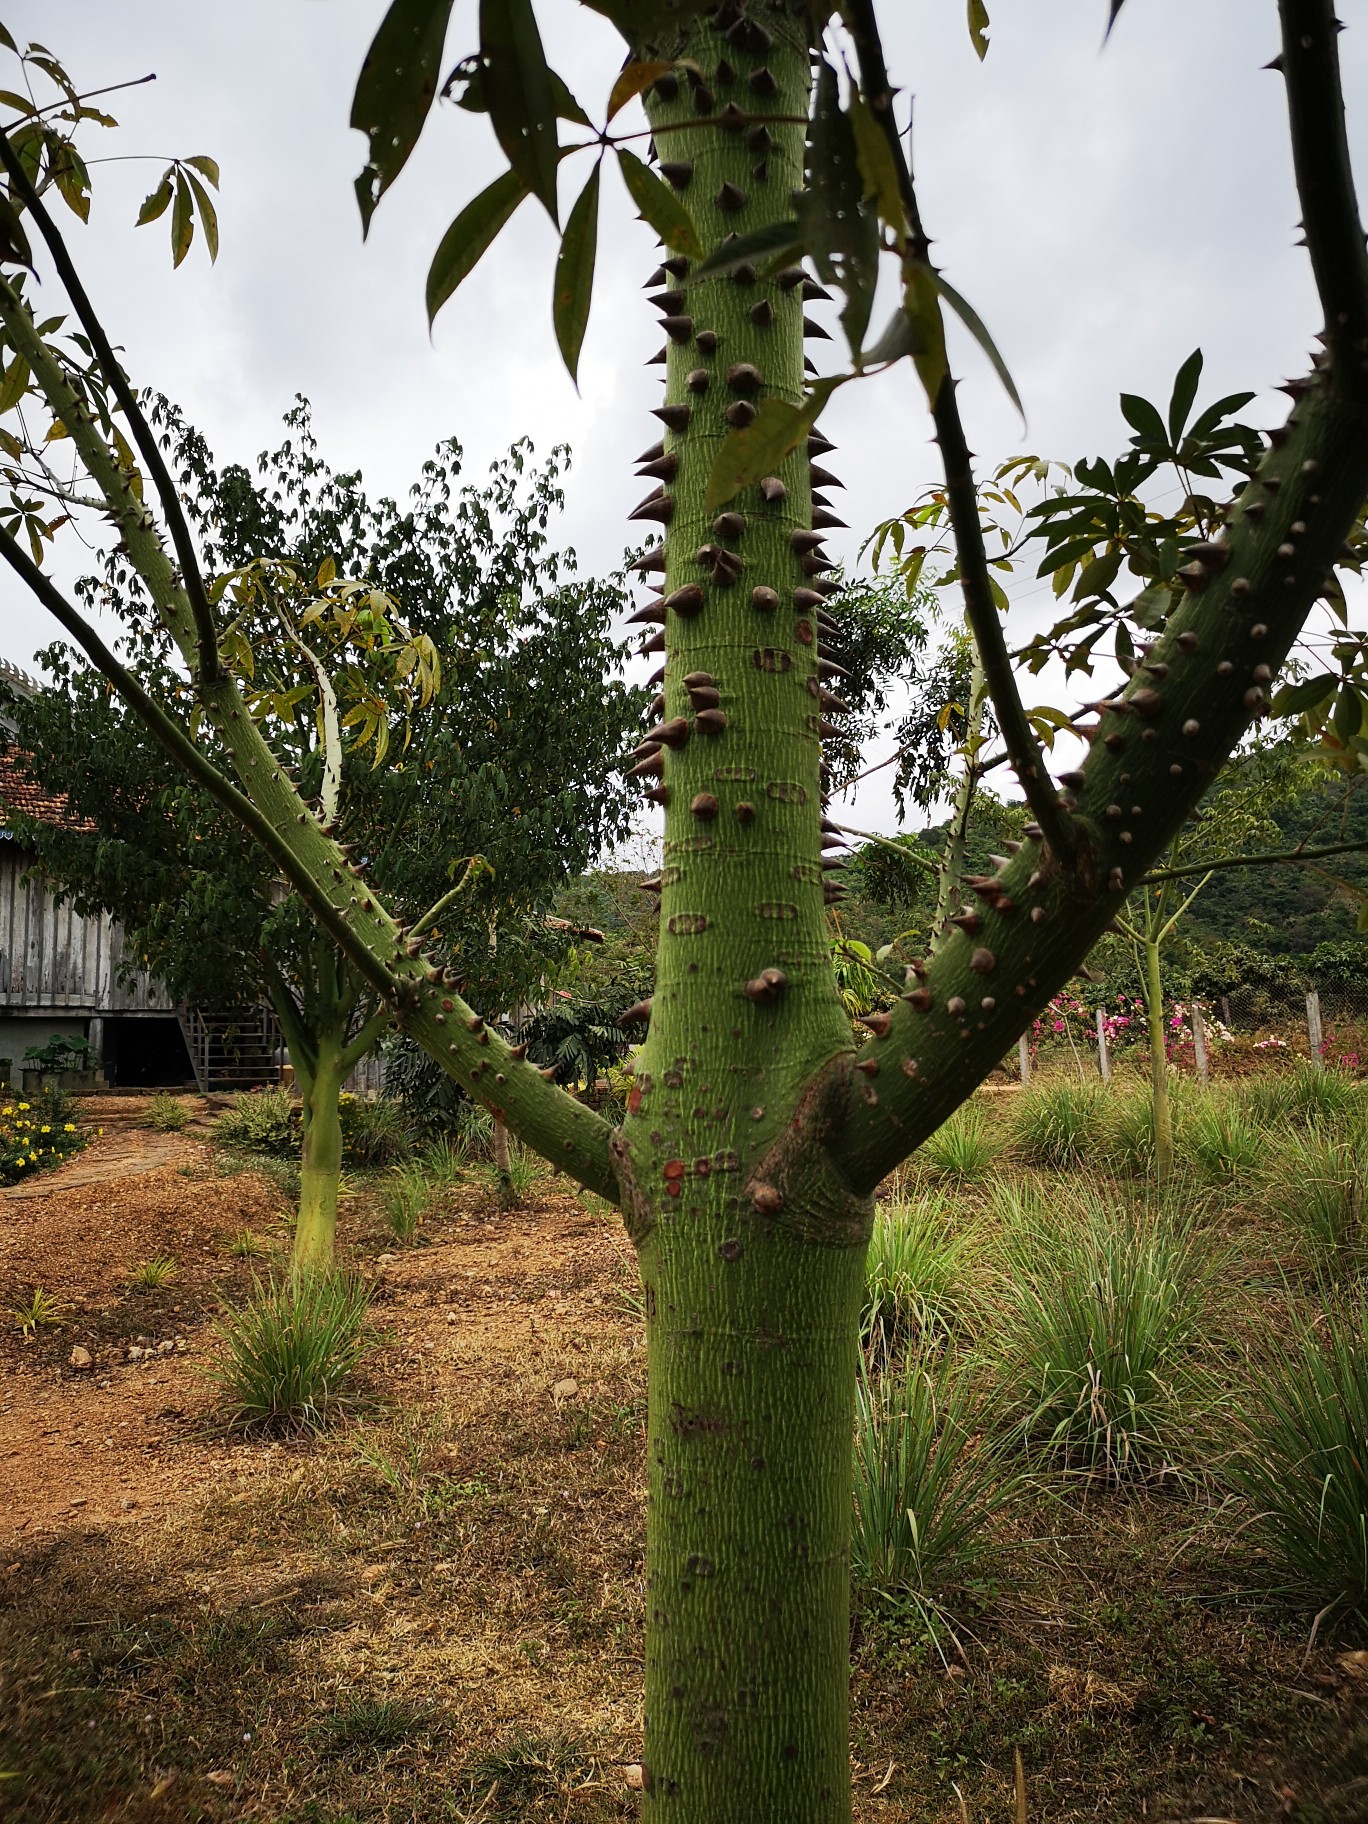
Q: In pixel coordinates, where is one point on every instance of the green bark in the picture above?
(1161, 1109)
(320, 1160)
(751, 1251)
(755, 1135)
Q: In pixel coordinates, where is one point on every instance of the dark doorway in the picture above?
(146, 1052)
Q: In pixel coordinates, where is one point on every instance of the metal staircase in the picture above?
(232, 1050)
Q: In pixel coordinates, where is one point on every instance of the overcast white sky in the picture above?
(1106, 210)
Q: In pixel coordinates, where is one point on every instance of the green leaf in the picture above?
(470, 236)
(394, 92)
(632, 78)
(971, 320)
(574, 287)
(157, 203)
(182, 221)
(1184, 392)
(776, 240)
(206, 166)
(208, 215)
(14, 245)
(777, 428)
(659, 206)
(13, 384)
(1347, 718)
(921, 303)
(978, 27)
(567, 108)
(841, 235)
(1297, 699)
(900, 337)
(878, 167)
(522, 104)
(1144, 418)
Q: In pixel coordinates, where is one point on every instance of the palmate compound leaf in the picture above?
(574, 285)
(520, 96)
(395, 90)
(659, 207)
(469, 237)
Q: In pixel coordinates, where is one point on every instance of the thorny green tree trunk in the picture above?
(756, 1134)
(751, 1249)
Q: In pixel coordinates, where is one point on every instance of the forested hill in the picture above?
(1281, 911)
(1287, 911)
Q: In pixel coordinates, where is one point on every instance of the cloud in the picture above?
(1105, 210)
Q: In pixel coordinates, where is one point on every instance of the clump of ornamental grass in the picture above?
(166, 1114)
(931, 1471)
(1058, 1124)
(259, 1121)
(1129, 1137)
(152, 1274)
(288, 1357)
(376, 1132)
(961, 1148)
(913, 1271)
(1103, 1313)
(1218, 1142)
(406, 1201)
(1301, 1461)
(1319, 1184)
(1321, 1097)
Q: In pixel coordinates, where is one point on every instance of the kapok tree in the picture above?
(757, 1131)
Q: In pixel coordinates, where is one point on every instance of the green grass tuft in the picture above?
(962, 1147)
(929, 1475)
(1059, 1124)
(1302, 1461)
(166, 1113)
(913, 1272)
(1104, 1312)
(290, 1354)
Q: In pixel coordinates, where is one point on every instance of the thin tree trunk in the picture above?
(503, 1176)
(1162, 1113)
(320, 1163)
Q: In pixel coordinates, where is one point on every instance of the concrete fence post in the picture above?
(1313, 1027)
(1024, 1058)
(1199, 1045)
(1103, 1056)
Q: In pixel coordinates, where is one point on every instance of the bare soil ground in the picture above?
(435, 1612)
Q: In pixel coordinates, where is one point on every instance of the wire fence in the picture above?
(1254, 1026)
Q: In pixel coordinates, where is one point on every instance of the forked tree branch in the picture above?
(1283, 857)
(1163, 739)
(1325, 178)
(165, 730)
(981, 612)
(210, 664)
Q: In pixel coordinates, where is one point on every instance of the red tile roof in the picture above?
(19, 791)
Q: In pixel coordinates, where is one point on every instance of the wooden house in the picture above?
(65, 975)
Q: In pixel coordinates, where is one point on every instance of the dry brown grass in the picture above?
(433, 1615)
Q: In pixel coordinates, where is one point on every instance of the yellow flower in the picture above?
(45, 1129)
(70, 1128)
(25, 1105)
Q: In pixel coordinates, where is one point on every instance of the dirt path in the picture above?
(106, 1415)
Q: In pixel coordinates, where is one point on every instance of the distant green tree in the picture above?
(459, 749)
